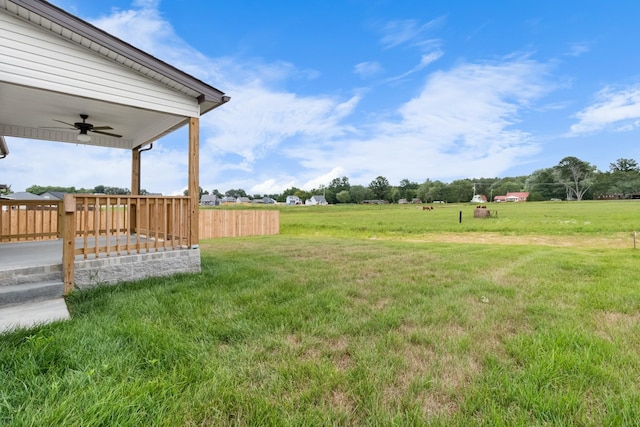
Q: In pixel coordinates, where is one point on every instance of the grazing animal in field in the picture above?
(427, 208)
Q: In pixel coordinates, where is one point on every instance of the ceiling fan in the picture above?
(85, 127)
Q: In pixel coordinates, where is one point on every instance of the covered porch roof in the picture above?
(57, 67)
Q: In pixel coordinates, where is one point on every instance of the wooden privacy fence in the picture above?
(28, 220)
(215, 223)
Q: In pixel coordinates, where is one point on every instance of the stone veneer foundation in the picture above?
(112, 270)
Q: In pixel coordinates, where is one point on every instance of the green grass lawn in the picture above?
(357, 315)
(591, 218)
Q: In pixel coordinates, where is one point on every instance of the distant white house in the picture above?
(265, 200)
(243, 199)
(316, 200)
(228, 199)
(293, 200)
(209, 200)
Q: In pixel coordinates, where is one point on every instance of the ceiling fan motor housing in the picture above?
(83, 125)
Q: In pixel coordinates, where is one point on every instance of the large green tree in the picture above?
(235, 193)
(339, 184)
(407, 189)
(344, 196)
(359, 193)
(622, 179)
(460, 190)
(544, 184)
(380, 188)
(624, 165)
(429, 191)
(576, 175)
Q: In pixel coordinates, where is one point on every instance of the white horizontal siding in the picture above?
(33, 57)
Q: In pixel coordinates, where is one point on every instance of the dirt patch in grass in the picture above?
(620, 240)
(611, 324)
(432, 377)
(341, 401)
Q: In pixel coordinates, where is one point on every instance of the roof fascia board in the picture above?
(208, 94)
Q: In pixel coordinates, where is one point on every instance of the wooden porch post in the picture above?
(135, 189)
(135, 172)
(68, 242)
(194, 179)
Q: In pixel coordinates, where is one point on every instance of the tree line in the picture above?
(570, 179)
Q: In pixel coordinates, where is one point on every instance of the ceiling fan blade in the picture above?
(55, 127)
(101, 128)
(65, 123)
(106, 133)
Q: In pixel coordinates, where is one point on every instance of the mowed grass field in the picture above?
(358, 315)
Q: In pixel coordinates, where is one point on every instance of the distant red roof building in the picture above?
(512, 197)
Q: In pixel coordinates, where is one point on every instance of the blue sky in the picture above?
(361, 88)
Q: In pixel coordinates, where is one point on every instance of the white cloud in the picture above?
(147, 3)
(259, 120)
(367, 69)
(270, 186)
(325, 179)
(425, 60)
(408, 31)
(577, 49)
(460, 124)
(145, 28)
(31, 163)
(617, 110)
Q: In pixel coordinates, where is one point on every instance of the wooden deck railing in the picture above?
(94, 226)
(27, 220)
(117, 225)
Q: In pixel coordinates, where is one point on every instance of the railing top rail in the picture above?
(30, 202)
(127, 196)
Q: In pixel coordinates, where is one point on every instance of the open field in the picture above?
(554, 221)
(358, 315)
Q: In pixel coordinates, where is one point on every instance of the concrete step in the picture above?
(22, 275)
(32, 314)
(30, 292)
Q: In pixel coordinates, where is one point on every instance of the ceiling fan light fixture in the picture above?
(82, 136)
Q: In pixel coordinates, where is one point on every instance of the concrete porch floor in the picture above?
(30, 254)
(48, 252)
